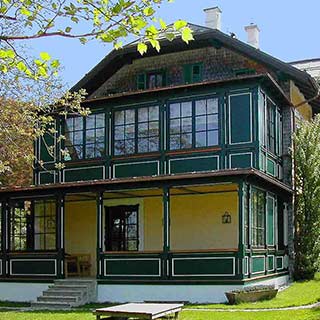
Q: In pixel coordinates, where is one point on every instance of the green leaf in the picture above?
(118, 45)
(170, 36)
(155, 44)
(179, 24)
(45, 56)
(163, 25)
(68, 29)
(21, 66)
(187, 35)
(142, 48)
(55, 63)
(149, 11)
(25, 11)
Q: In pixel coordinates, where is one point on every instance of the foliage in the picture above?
(30, 92)
(104, 20)
(307, 199)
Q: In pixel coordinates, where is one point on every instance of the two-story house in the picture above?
(178, 185)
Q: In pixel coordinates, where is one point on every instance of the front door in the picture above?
(121, 228)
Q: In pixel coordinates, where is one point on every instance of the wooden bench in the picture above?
(78, 264)
(148, 311)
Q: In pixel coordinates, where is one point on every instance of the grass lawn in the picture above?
(299, 293)
(185, 315)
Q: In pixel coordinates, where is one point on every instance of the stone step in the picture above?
(70, 287)
(51, 305)
(75, 282)
(58, 292)
(67, 299)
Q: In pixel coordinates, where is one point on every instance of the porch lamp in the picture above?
(226, 218)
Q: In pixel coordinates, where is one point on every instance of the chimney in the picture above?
(253, 32)
(213, 18)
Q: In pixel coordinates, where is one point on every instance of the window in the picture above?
(258, 217)
(85, 137)
(271, 127)
(0, 225)
(20, 223)
(95, 136)
(33, 225)
(194, 124)
(136, 130)
(193, 73)
(121, 228)
(155, 79)
(45, 225)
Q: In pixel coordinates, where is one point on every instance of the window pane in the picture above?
(201, 139)
(201, 123)
(119, 117)
(213, 138)
(186, 108)
(175, 126)
(119, 133)
(129, 116)
(186, 125)
(213, 122)
(175, 110)
(212, 106)
(154, 144)
(100, 120)
(186, 141)
(153, 129)
(174, 142)
(119, 147)
(143, 114)
(129, 132)
(143, 130)
(78, 123)
(201, 107)
(143, 145)
(153, 113)
(90, 121)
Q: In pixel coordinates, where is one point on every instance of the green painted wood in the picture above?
(257, 264)
(136, 169)
(240, 118)
(271, 167)
(279, 263)
(141, 81)
(46, 177)
(203, 266)
(46, 142)
(270, 220)
(83, 174)
(270, 262)
(240, 160)
(34, 266)
(192, 164)
(132, 267)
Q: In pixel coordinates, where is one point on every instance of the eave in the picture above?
(146, 181)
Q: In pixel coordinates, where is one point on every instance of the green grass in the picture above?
(298, 294)
(185, 315)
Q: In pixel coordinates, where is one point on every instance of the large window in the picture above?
(136, 130)
(33, 225)
(271, 126)
(121, 228)
(258, 210)
(44, 225)
(194, 124)
(85, 137)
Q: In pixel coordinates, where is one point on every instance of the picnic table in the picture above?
(139, 311)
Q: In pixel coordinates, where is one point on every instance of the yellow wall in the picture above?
(80, 229)
(196, 221)
(297, 97)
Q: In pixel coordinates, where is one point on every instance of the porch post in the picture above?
(166, 232)
(99, 250)
(60, 235)
(241, 246)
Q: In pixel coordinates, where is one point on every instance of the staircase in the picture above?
(68, 293)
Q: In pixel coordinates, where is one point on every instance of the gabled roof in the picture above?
(203, 37)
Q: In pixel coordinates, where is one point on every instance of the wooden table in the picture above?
(139, 311)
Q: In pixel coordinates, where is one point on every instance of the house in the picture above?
(312, 66)
(178, 185)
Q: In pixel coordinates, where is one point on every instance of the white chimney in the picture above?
(253, 32)
(213, 18)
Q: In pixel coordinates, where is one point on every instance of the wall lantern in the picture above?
(226, 218)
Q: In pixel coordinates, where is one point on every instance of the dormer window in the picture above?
(193, 73)
(151, 80)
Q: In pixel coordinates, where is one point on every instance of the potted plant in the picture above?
(251, 294)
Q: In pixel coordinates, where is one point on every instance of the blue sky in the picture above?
(289, 31)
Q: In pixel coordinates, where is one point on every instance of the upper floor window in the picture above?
(151, 80)
(194, 124)
(193, 73)
(85, 137)
(136, 130)
(271, 126)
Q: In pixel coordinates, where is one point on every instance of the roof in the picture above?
(118, 183)
(203, 37)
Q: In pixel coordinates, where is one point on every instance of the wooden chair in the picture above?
(72, 266)
(85, 264)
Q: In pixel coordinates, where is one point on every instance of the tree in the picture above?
(31, 94)
(307, 199)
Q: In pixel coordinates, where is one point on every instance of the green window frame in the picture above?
(194, 123)
(193, 73)
(151, 79)
(85, 137)
(258, 216)
(1, 214)
(136, 130)
(271, 126)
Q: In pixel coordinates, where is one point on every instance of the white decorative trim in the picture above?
(245, 262)
(229, 118)
(132, 275)
(134, 163)
(83, 168)
(205, 275)
(33, 274)
(264, 264)
(196, 157)
(270, 255)
(240, 154)
(62, 267)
